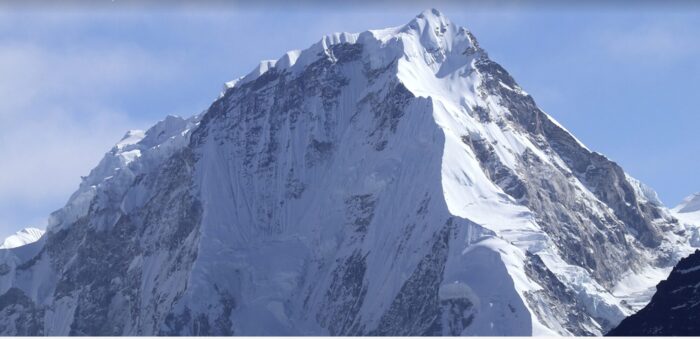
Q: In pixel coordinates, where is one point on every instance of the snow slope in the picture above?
(390, 182)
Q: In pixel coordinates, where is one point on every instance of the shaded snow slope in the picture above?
(390, 182)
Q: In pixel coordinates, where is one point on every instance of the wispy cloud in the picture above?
(651, 43)
(57, 119)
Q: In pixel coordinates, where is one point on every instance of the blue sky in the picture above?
(74, 79)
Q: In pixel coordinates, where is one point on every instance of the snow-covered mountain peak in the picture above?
(431, 24)
(689, 204)
(430, 35)
(688, 213)
(435, 30)
(395, 181)
(22, 237)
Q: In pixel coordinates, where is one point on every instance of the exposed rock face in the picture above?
(392, 182)
(675, 308)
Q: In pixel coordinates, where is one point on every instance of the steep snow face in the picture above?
(23, 237)
(391, 182)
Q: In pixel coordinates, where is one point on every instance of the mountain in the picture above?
(688, 213)
(23, 237)
(395, 181)
(690, 204)
(675, 308)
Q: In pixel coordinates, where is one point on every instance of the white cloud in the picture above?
(34, 76)
(56, 120)
(651, 43)
(43, 155)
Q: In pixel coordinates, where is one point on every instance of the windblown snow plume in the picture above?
(391, 182)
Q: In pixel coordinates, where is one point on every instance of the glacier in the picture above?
(390, 182)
